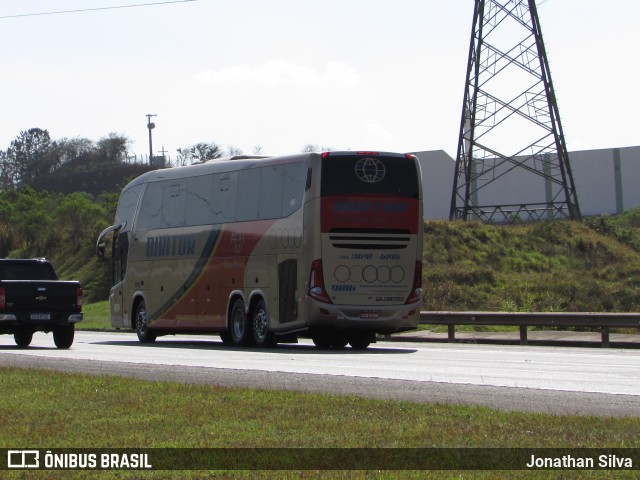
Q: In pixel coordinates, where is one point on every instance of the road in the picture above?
(604, 382)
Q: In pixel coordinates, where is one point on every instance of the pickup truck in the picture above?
(32, 299)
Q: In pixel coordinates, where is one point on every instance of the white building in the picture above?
(606, 181)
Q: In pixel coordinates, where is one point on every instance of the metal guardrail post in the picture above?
(523, 334)
(451, 331)
(605, 337)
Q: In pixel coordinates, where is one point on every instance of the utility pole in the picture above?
(150, 126)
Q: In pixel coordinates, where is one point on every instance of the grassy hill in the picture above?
(550, 266)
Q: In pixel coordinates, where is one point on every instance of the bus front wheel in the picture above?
(240, 326)
(142, 325)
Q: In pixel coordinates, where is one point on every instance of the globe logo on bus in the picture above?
(370, 170)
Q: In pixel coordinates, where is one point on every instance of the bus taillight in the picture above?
(316, 283)
(3, 298)
(416, 290)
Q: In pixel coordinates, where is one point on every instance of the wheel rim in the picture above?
(260, 324)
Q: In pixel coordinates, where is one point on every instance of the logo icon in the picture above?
(23, 458)
(370, 170)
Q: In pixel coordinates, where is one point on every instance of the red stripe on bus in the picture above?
(352, 211)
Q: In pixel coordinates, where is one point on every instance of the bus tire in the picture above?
(226, 338)
(63, 336)
(322, 340)
(260, 323)
(339, 342)
(361, 341)
(142, 324)
(23, 337)
(240, 326)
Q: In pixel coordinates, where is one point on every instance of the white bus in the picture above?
(263, 250)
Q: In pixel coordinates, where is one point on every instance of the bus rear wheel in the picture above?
(240, 326)
(260, 323)
(362, 341)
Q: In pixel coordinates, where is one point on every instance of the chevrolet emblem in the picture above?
(41, 298)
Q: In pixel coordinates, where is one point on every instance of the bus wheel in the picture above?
(339, 342)
(361, 341)
(23, 337)
(63, 336)
(226, 338)
(322, 340)
(142, 325)
(260, 320)
(240, 326)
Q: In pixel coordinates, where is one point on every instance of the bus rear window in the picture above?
(356, 174)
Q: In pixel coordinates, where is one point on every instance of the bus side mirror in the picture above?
(100, 249)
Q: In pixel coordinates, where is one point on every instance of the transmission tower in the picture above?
(511, 145)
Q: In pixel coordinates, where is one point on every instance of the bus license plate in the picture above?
(40, 316)
(370, 315)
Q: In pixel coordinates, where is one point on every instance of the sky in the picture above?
(281, 74)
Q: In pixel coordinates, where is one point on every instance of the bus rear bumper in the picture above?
(380, 319)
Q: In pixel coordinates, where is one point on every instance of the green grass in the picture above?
(547, 266)
(96, 316)
(44, 409)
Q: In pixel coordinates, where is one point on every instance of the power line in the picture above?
(95, 9)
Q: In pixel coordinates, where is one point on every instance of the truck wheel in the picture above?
(63, 336)
(260, 320)
(142, 325)
(23, 338)
(240, 326)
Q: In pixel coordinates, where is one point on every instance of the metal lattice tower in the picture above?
(511, 140)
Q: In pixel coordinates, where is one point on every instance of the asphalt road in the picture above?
(584, 381)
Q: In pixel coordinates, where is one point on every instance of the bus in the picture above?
(263, 250)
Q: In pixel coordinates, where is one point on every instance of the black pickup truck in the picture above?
(32, 299)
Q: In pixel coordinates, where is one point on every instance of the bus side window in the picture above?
(173, 204)
(199, 193)
(271, 191)
(293, 191)
(249, 192)
(149, 216)
(224, 197)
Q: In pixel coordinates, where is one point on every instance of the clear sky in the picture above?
(280, 74)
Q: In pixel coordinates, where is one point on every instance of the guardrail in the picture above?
(602, 321)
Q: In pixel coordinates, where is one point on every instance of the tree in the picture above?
(200, 152)
(29, 156)
(77, 215)
(114, 147)
(68, 149)
(233, 151)
(311, 148)
(8, 174)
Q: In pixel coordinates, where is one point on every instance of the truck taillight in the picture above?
(416, 290)
(316, 283)
(3, 298)
(79, 298)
